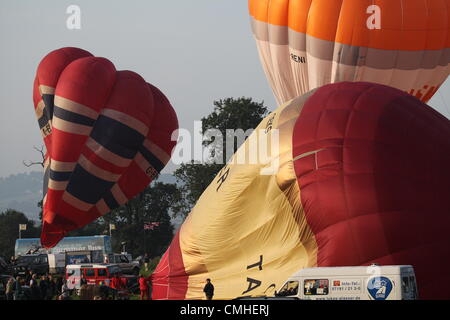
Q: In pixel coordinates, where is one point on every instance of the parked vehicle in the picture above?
(98, 274)
(352, 283)
(37, 263)
(125, 262)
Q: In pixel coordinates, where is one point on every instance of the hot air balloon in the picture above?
(362, 177)
(305, 44)
(107, 134)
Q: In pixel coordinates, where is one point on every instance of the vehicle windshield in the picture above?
(25, 259)
(290, 288)
(114, 269)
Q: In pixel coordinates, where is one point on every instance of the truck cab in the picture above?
(124, 261)
(352, 283)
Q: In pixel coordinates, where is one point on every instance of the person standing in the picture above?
(65, 292)
(82, 279)
(9, 292)
(35, 290)
(146, 261)
(208, 289)
(58, 286)
(116, 285)
(143, 287)
(28, 277)
(17, 290)
(43, 286)
(51, 290)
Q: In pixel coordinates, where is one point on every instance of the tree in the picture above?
(32, 163)
(230, 113)
(9, 230)
(152, 205)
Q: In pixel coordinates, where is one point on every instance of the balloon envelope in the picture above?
(107, 134)
(361, 177)
(305, 44)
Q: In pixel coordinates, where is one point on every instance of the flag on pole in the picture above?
(22, 227)
(150, 225)
(112, 226)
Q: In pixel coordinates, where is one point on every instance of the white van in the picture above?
(352, 283)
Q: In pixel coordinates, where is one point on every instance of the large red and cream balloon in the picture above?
(363, 177)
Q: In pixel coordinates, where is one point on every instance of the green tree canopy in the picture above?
(9, 231)
(242, 113)
(152, 205)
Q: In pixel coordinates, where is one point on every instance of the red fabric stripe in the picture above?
(170, 280)
(101, 163)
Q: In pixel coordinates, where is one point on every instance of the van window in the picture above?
(412, 283)
(290, 288)
(406, 285)
(89, 272)
(409, 288)
(101, 272)
(316, 287)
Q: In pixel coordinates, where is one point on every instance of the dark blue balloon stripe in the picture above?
(117, 137)
(72, 117)
(87, 187)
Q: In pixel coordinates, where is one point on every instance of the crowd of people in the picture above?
(34, 287)
(48, 287)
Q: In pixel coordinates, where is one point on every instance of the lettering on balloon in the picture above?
(151, 172)
(374, 21)
(73, 22)
(47, 129)
(269, 125)
(254, 283)
(425, 95)
(258, 264)
(222, 177)
(297, 58)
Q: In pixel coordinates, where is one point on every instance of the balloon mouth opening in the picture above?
(50, 236)
(54, 231)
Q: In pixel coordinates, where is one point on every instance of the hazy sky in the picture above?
(195, 51)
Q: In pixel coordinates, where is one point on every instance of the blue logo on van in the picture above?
(379, 287)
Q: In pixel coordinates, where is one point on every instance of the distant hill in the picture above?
(23, 191)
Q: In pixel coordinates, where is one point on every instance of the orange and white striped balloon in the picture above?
(305, 44)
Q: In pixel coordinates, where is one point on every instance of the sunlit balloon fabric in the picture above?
(305, 44)
(363, 178)
(107, 134)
